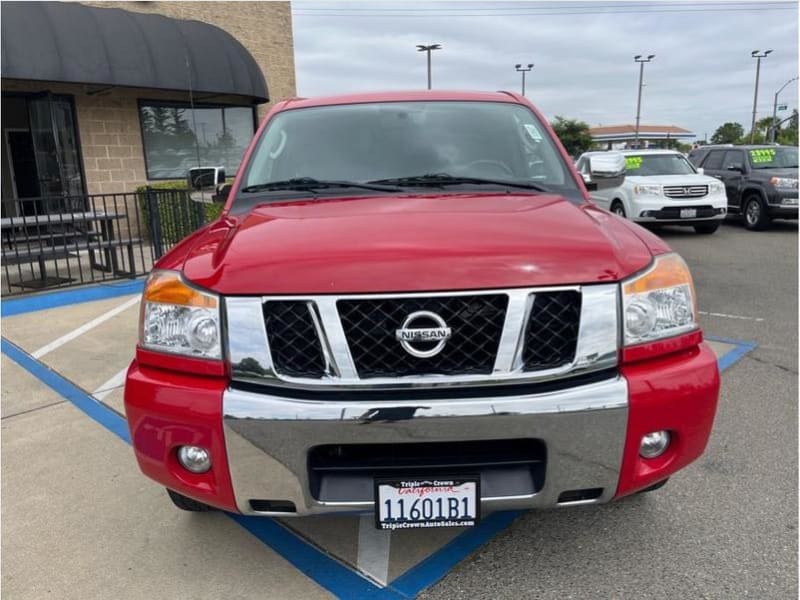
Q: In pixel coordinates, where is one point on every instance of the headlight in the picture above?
(716, 188)
(784, 183)
(178, 318)
(647, 190)
(660, 302)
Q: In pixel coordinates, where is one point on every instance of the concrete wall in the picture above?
(108, 120)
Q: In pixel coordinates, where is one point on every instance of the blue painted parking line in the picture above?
(336, 577)
(741, 348)
(18, 306)
(94, 409)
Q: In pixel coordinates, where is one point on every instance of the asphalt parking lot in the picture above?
(79, 521)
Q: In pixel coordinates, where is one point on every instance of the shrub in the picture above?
(179, 215)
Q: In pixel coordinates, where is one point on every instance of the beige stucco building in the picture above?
(105, 105)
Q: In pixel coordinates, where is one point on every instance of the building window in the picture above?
(177, 138)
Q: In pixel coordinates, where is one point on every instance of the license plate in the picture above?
(688, 213)
(427, 502)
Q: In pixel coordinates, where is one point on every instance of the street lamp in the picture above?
(638, 58)
(523, 70)
(428, 48)
(758, 55)
(773, 126)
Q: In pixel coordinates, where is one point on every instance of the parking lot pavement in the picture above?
(84, 505)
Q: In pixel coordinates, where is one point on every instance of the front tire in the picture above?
(618, 209)
(756, 217)
(188, 504)
(706, 229)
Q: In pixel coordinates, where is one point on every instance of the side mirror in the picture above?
(222, 193)
(701, 171)
(739, 168)
(607, 169)
(205, 178)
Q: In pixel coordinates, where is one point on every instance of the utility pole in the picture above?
(522, 70)
(428, 48)
(773, 126)
(638, 58)
(757, 54)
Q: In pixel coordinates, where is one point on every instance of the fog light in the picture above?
(653, 444)
(194, 458)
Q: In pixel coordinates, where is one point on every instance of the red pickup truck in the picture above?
(411, 307)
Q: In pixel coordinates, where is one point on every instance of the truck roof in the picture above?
(403, 96)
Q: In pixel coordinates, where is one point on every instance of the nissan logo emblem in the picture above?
(427, 341)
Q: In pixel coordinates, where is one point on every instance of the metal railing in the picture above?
(50, 242)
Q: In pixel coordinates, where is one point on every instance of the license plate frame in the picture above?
(688, 213)
(470, 488)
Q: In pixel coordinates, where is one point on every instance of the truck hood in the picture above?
(411, 243)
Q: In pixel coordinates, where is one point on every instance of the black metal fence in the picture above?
(63, 241)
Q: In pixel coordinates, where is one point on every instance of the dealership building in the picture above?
(619, 137)
(98, 99)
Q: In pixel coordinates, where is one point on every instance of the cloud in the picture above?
(702, 75)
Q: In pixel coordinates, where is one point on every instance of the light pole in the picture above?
(428, 48)
(523, 70)
(638, 58)
(773, 126)
(758, 55)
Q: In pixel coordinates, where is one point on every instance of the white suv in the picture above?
(662, 187)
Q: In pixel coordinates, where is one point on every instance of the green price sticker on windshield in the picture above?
(762, 155)
(633, 162)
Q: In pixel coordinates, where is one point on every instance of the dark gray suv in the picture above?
(760, 181)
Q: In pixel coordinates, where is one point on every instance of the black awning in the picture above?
(70, 42)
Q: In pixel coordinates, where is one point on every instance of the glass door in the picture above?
(55, 144)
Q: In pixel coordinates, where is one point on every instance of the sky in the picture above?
(702, 75)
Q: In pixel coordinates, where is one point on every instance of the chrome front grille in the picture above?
(476, 323)
(354, 341)
(685, 191)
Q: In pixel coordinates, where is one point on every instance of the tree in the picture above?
(728, 133)
(573, 134)
(788, 135)
(762, 130)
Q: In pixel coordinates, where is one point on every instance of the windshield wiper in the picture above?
(310, 184)
(443, 179)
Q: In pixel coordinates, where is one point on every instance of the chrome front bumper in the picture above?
(268, 439)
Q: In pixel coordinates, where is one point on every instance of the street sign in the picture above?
(782, 106)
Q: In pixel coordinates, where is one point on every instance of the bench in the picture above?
(23, 254)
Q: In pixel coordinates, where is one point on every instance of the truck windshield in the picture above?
(781, 157)
(455, 145)
(643, 165)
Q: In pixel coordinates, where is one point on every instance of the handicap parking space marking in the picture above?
(88, 326)
(17, 306)
(114, 383)
(335, 576)
(373, 550)
(736, 353)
